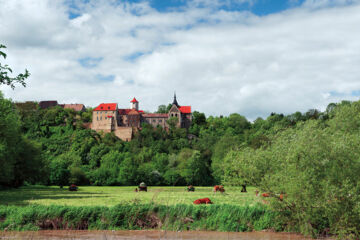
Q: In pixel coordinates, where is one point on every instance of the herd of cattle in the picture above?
(221, 189)
(217, 188)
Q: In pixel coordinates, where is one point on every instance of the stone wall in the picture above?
(124, 133)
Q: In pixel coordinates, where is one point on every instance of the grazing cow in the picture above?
(219, 188)
(281, 197)
(203, 201)
(191, 188)
(142, 187)
(73, 187)
(265, 194)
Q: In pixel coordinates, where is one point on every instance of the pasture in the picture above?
(111, 196)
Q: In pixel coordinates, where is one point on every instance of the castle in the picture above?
(107, 117)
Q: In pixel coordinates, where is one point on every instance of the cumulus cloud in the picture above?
(217, 61)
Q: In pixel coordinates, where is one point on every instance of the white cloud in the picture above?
(328, 3)
(217, 61)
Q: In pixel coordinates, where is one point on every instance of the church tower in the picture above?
(175, 101)
(134, 104)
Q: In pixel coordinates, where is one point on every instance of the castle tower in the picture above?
(134, 104)
(175, 101)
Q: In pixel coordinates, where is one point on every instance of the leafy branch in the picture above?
(5, 70)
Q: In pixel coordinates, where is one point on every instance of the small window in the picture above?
(100, 118)
(160, 120)
(154, 120)
(97, 112)
(105, 118)
(108, 107)
(97, 118)
(101, 107)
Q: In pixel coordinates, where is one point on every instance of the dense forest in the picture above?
(55, 147)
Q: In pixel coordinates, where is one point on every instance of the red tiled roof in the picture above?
(106, 107)
(123, 111)
(133, 112)
(134, 100)
(155, 115)
(76, 107)
(185, 109)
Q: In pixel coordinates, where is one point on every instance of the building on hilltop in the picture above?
(47, 104)
(107, 117)
(76, 107)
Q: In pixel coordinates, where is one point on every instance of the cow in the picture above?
(203, 201)
(73, 187)
(219, 188)
(190, 188)
(281, 197)
(265, 195)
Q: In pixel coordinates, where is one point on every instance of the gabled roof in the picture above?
(47, 104)
(106, 107)
(123, 111)
(185, 109)
(134, 100)
(133, 112)
(76, 107)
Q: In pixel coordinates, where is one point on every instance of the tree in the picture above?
(10, 137)
(59, 173)
(199, 118)
(5, 70)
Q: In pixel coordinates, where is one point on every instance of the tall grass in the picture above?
(140, 216)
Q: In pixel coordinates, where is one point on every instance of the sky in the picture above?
(251, 57)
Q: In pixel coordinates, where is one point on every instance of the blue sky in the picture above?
(251, 57)
(258, 7)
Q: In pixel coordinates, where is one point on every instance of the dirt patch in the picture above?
(150, 221)
(59, 224)
(188, 220)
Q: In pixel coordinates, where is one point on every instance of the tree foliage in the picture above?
(5, 70)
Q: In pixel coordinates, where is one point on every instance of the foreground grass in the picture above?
(111, 196)
(140, 216)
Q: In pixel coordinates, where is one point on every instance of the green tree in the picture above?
(5, 70)
(59, 172)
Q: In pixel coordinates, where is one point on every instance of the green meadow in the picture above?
(111, 196)
(101, 208)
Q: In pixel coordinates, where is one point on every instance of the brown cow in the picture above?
(219, 188)
(265, 194)
(281, 197)
(203, 201)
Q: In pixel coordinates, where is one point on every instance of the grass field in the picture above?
(111, 196)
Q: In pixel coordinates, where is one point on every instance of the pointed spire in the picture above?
(175, 102)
